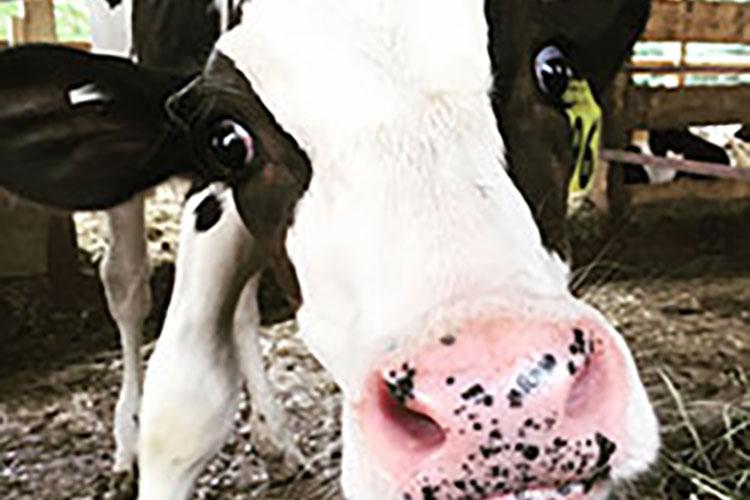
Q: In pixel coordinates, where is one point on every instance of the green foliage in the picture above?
(73, 22)
(7, 9)
(72, 17)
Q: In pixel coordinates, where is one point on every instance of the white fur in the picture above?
(125, 273)
(390, 101)
(202, 355)
(222, 6)
(656, 175)
(111, 31)
(396, 161)
(208, 347)
(125, 269)
(249, 354)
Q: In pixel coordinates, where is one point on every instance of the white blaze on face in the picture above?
(411, 226)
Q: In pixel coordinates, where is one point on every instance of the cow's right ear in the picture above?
(602, 33)
(83, 131)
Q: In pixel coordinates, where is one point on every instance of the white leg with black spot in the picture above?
(194, 380)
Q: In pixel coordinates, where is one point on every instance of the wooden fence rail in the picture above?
(695, 21)
(660, 108)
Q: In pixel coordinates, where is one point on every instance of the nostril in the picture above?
(590, 382)
(406, 425)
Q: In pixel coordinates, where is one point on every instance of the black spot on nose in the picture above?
(448, 340)
(208, 213)
(606, 449)
(530, 453)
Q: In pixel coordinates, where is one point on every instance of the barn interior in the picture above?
(668, 261)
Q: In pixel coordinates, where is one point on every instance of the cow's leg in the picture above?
(193, 381)
(265, 403)
(125, 274)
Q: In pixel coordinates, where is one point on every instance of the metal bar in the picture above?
(696, 167)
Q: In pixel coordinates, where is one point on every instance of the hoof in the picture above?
(122, 486)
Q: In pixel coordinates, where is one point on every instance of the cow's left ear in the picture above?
(83, 131)
(601, 33)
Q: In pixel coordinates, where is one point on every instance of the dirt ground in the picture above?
(674, 279)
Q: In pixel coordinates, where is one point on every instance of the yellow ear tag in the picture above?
(585, 117)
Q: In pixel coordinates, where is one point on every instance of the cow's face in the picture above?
(361, 141)
(468, 369)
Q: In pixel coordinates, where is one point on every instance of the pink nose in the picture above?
(499, 408)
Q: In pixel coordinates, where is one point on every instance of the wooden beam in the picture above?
(672, 108)
(76, 45)
(17, 31)
(39, 16)
(713, 70)
(689, 21)
(715, 190)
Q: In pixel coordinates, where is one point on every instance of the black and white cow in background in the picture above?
(177, 37)
(358, 143)
(681, 143)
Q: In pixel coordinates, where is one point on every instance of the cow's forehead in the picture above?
(361, 62)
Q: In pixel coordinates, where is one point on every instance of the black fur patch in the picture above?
(208, 213)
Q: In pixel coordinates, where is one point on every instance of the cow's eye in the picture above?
(553, 72)
(231, 144)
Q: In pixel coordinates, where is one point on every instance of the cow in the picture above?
(356, 150)
(671, 142)
(527, 119)
(174, 36)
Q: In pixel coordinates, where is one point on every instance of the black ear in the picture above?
(82, 131)
(601, 33)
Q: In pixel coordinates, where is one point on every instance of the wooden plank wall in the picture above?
(638, 108)
(695, 21)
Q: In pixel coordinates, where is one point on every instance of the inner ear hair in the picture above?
(185, 107)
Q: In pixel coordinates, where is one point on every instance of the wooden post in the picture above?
(689, 21)
(39, 21)
(681, 65)
(615, 136)
(17, 33)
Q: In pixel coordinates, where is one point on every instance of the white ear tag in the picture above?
(86, 94)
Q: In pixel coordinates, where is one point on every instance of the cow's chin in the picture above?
(574, 492)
